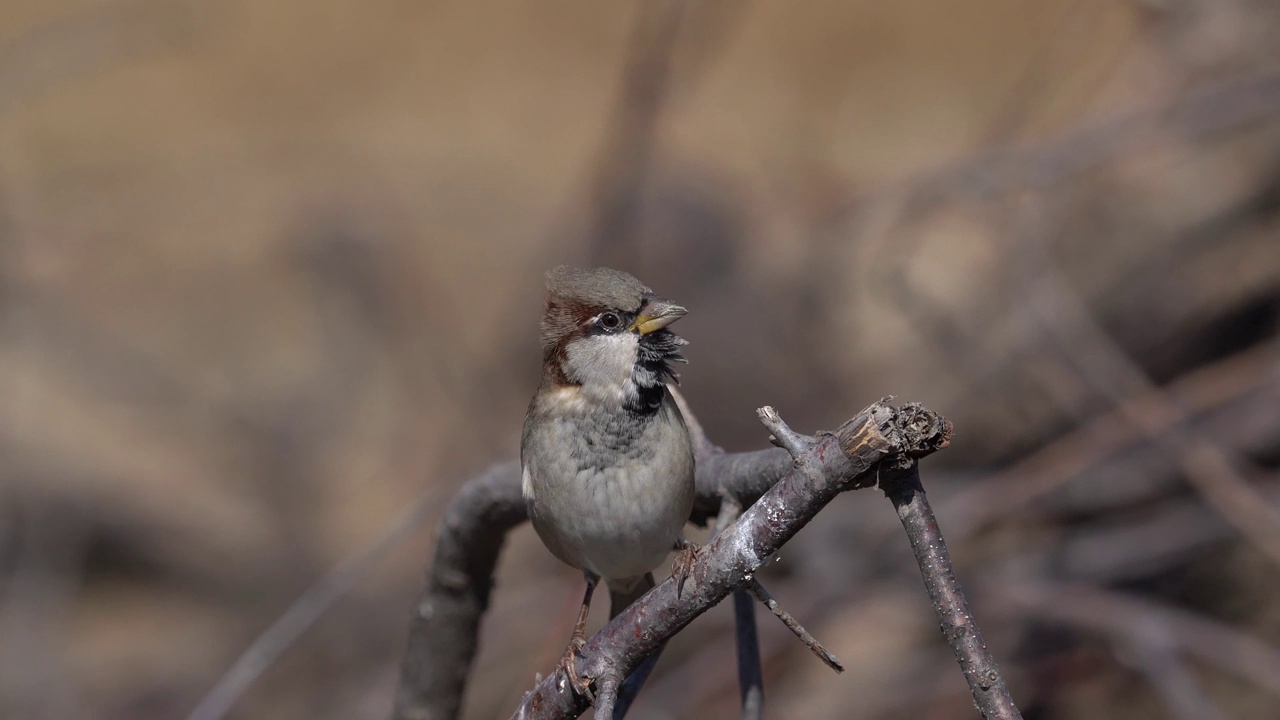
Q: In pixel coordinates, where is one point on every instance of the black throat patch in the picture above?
(656, 352)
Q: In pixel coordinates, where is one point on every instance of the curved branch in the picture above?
(446, 620)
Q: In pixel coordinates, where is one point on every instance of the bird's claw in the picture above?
(569, 664)
(682, 563)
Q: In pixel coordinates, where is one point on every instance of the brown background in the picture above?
(270, 271)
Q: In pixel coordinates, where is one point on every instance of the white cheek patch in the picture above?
(603, 364)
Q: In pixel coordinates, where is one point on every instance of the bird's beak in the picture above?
(657, 314)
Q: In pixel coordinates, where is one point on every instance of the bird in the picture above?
(606, 458)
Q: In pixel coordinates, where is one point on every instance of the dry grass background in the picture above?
(270, 270)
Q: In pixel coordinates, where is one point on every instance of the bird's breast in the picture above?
(609, 491)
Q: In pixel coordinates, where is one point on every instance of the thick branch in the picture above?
(990, 695)
(446, 620)
(832, 463)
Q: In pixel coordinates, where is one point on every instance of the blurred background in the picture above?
(271, 271)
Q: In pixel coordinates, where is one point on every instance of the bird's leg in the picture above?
(569, 663)
(682, 563)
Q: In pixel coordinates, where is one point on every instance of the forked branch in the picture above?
(880, 442)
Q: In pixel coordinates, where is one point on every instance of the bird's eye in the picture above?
(610, 321)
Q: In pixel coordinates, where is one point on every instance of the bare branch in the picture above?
(834, 463)
(445, 624)
(758, 592)
(990, 695)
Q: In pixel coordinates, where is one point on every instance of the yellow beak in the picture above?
(655, 315)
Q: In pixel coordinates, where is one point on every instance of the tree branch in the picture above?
(757, 591)
(829, 465)
(446, 620)
(990, 695)
(444, 628)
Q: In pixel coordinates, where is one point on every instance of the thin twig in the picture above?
(750, 674)
(268, 646)
(992, 698)
(1174, 683)
(797, 445)
(783, 436)
(1210, 109)
(757, 591)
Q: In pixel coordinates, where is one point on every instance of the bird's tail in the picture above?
(623, 593)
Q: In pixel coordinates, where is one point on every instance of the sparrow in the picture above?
(606, 457)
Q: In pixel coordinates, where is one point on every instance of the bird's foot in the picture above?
(682, 563)
(569, 664)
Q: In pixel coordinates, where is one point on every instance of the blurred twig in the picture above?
(1207, 110)
(1176, 686)
(993, 173)
(268, 646)
(1102, 364)
(1126, 617)
(750, 673)
(626, 159)
(1151, 540)
(1250, 375)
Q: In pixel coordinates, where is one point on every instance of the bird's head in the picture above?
(605, 332)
